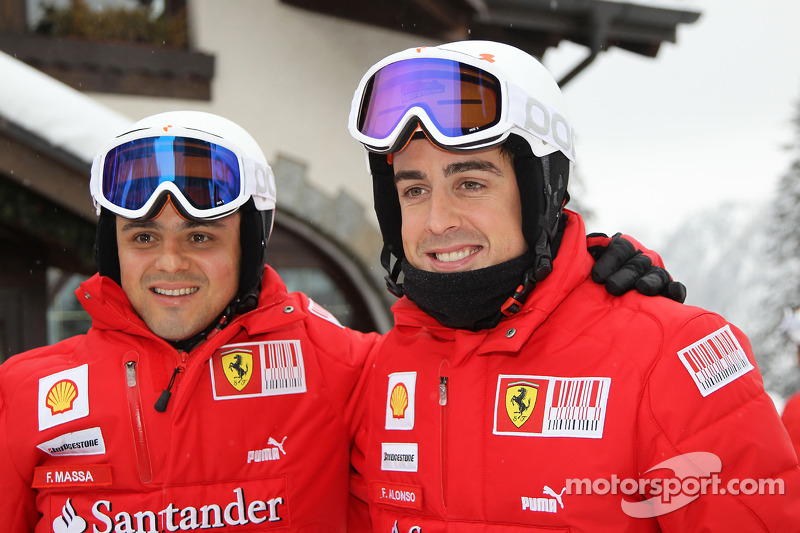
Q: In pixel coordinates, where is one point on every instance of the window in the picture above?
(137, 47)
(65, 315)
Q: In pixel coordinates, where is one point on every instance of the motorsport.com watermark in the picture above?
(695, 475)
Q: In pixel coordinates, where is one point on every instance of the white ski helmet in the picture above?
(208, 166)
(466, 96)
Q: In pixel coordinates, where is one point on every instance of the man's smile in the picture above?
(448, 257)
(175, 292)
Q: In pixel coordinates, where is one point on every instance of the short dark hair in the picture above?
(506, 151)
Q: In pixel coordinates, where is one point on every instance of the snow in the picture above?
(64, 117)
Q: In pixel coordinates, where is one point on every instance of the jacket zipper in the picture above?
(137, 422)
(443, 382)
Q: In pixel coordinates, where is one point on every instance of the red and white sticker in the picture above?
(84, 442)
(71, 476)
(548, 406)
(400, 456)
(63, 397)
(315, 309)
(253, 369)
(400, 400)
(397, 494)
(715, 360)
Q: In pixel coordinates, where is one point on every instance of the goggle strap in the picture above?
(540, 120)
(259, 184)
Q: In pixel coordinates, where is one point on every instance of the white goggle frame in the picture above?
(257, 179)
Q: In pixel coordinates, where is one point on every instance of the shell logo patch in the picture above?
(237, 364)
(548, 406)
(400, 400)
(63, 397)
(252, 369)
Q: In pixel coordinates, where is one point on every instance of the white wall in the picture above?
(287, 75)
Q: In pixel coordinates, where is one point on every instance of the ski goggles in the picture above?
(460, 107)
(207, 179)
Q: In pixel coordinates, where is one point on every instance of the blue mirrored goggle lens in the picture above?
(207, 174)
(458, 98)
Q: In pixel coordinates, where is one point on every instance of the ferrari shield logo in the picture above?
(238, 367)
(520, 400)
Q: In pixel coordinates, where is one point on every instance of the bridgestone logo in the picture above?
(75, 446)
(397, 457)
(84, 442)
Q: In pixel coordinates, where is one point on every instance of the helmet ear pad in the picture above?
(542, 183)
(530, 181)
(387, 204)
(255, 228)
(106, 256)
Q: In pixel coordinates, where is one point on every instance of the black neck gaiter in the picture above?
(465, 300)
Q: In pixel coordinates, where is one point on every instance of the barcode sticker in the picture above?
(285, 373)
(715, 360)
(253, 369)
(548, 406)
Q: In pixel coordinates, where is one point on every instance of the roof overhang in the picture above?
(531, 25)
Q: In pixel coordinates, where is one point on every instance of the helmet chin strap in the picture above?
(391, 278)
(239, 306)
(542, 268)
(187, 345)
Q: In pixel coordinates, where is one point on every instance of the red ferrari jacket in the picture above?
(583, 412)
(255, 437)
(791, 420)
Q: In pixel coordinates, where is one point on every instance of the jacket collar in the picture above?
(107, 304)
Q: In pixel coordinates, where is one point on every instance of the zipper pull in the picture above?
(442, 390)
(163, 400)
(130, 373)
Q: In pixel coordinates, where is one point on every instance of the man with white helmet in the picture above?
(197, 399)
(204, 396)
(514, 393)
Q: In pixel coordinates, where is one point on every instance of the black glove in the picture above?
(621, 267)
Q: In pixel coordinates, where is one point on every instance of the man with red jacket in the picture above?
(791, 411)
(204, 396)
(197, 399)
(514, 393)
